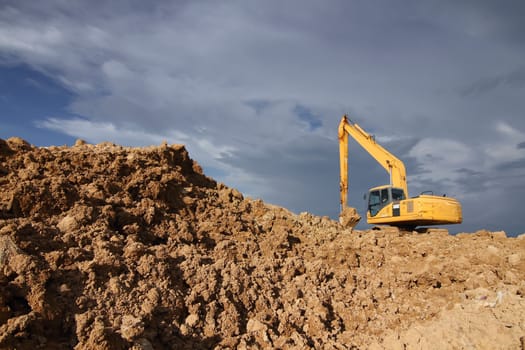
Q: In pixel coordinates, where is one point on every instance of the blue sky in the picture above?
(25, 97)
(256, 89)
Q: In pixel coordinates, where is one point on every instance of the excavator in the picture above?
(390, 204)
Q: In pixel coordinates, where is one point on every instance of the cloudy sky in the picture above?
(256, 89)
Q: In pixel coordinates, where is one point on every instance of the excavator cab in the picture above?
(379, 197)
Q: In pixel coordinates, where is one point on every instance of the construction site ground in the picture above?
(108, 247)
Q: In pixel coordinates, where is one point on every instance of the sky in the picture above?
(256, 89)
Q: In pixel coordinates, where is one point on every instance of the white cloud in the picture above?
(438, 152)
(502, 147)
(102, 132)
(444, 160)
(439, 161)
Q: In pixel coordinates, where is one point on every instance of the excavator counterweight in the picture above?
(390, 204)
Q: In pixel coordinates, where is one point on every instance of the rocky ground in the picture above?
(107, 247)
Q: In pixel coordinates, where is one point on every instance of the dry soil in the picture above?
(107, 247)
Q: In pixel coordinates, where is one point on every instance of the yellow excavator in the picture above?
(390, 204)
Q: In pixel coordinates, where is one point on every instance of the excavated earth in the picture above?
(107, 247)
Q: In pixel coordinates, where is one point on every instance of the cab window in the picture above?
(384, 195)
(374, 202)
(398, 194)
(379, 199)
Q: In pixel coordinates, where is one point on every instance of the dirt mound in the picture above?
(108, 247)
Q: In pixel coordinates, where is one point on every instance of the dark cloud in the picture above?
(473, 181)
(301, 175)
(402, 147)
(91, 10)
(258, 105)
(469, 172)
(521, 145)
(306, 115)
(516, 164)
(498, 209)
(481, 86)
(515, 79)
(500, 20)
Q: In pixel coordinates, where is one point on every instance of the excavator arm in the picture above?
(392, 165)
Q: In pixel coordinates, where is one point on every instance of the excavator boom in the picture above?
(391, 163)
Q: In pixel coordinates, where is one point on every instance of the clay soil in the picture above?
(107, 247)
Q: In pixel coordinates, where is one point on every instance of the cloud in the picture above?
(502, 147)
(306, 115)
(514, 80)
(256, 90)
(441, 161)
(102, 132)
(515, 164)
(454, 164)
(484, 19)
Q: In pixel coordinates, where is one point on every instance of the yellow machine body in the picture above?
(423, 210)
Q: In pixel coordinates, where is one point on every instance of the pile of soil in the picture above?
(107, 247)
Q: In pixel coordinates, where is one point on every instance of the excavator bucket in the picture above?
(349, 217)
